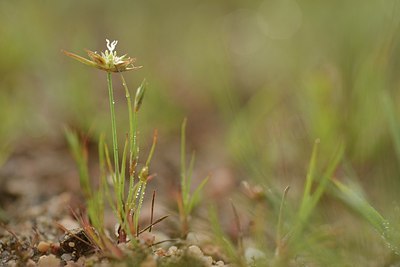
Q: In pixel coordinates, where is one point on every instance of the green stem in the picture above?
(132, 125)
(133, 148)
(113, 124)
(140, 203)
(183, 162)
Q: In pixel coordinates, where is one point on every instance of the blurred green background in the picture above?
(258, 80)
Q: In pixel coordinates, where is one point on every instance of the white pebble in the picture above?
(195, 251)
(253, 254)
(172, 250)
(48, 261)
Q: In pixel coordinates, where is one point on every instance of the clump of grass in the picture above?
(310, 199)
(302, 234)
(187, 201)
(126, 203)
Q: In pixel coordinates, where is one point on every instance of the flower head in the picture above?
(107, 60)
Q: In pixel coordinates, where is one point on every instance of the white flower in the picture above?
(111, 47)
(107, 60)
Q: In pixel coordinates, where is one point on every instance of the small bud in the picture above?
(144, 174)
(140, 95)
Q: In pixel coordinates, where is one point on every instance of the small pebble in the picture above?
(195, 251)
(66, 257)
(43, 247)
(160, 252)
(253, 254)
(48, 261)
(219, 263)
(30, 263)
(147, 238)
(12, 263)
(171, 251)
(208, 260)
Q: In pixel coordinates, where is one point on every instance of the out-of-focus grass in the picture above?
(269, 76)
(11, 117)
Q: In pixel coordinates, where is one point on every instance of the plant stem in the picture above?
(133, 148)
(183, 163)
(132, 127)
(139, 205)
(113, 124)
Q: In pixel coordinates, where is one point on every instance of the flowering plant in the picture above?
(126, 205)
(107, 60)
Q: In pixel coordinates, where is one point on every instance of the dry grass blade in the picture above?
(152, 209)
(154, 223)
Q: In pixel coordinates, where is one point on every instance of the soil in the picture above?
(39, 198)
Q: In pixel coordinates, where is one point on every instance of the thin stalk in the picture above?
(183, 160)
(153, 146)
(240, 232)
(143, 178)
(121, 196)
(152, 210)
(280, 222)
(104, 160)
(132, 129)
(310, 177)
(133, 145)
(139, 205)
(113, 123)
(186, 200)
(122, 176)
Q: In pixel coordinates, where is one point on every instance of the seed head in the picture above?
(107, 60)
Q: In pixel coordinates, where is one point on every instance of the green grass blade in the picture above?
(102, 162)
(81, 160)
(95, 209)
(327, 176)
(152, 149)
(123, 163)
(394, 125)
(142, 192)
(195, 198)
(103, 158)
(113, 124)
(361, 206)
(133, 124)
(183, 160)
(221, 239)
(121, 182)
(278, 240)
(310, 176)
(189, 176)
(109, 165)
(309, 205)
